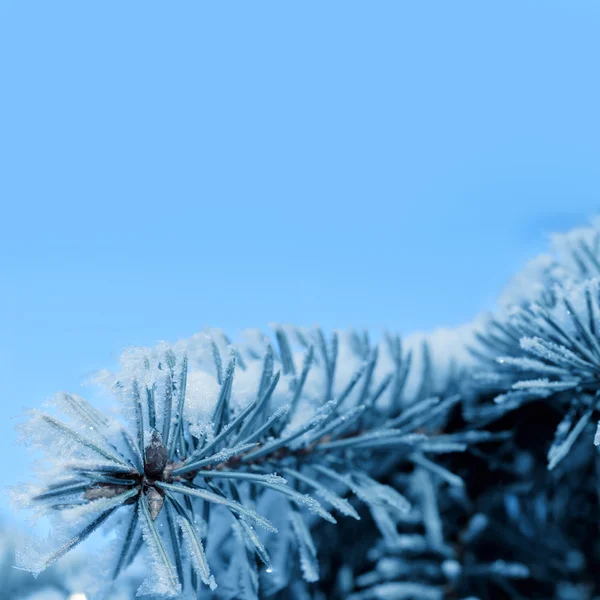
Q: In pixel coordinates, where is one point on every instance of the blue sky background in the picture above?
(167, 166)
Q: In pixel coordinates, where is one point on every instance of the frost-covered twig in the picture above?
(167, 472)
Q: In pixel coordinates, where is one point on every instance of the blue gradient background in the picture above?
(166, 166)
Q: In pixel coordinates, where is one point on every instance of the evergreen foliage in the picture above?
(301, 465)
(65, 580)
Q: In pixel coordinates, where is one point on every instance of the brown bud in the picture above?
(156, 457)
(155, 502)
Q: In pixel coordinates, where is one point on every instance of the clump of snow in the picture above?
(568, 246)
(538, 276)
